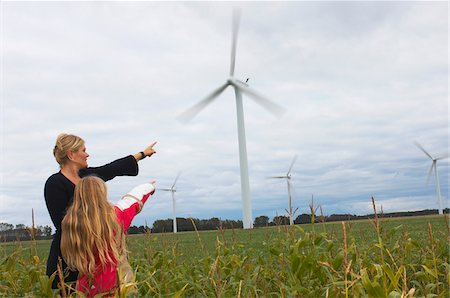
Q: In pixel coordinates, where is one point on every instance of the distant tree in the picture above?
(7, 232)
(22, 232)
(162, 226)
(184, 224)
(213, 223)
(232, 224)
(132, 230)
(6, 226)
(303, 219)
(261, 221)
(42, 232)
(341, 217)
(280, 220)
(46, 231)
(37, 233)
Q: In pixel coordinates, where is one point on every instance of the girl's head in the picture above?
(70, 148)
(90, 230)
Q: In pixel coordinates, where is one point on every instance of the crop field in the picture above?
(397, 257)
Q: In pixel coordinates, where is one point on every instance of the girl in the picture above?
(93, 234)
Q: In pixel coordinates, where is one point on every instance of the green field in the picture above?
(402, 257)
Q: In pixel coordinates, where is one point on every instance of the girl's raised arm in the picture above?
(131, 203)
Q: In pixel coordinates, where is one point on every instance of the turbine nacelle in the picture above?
(237, 83)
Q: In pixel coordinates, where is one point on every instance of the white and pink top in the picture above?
(126, 209)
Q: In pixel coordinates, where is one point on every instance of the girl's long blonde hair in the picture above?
(91, 234)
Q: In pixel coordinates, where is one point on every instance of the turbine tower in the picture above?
(288, 178)
(173, 191)
(436, 175)
(239, 88)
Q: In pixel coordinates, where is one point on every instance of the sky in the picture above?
(359, 81)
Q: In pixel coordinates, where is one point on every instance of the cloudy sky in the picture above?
(360, 82)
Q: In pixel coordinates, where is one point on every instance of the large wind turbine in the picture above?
(173, 191)
(288, 178)
(436, 175)
(239, 88)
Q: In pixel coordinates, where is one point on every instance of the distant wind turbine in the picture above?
(173, 191)
(239, 88)
(434, 165)
(288, 178)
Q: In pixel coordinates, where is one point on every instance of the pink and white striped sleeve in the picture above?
(131, 203)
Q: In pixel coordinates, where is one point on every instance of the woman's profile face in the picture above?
(80, 157)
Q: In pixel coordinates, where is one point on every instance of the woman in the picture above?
(93, 235)
(70, 153)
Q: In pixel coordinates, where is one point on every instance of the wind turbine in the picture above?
(173, 191)
(239, 88)
(288, 178)
(434, 165)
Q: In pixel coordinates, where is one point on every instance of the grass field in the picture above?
(397, 257)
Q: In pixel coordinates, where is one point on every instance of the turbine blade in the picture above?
(178, 176)
(292, 164)
(269, 105)
(433, 164)
(234, 35)
(278, 177)
(164, 189)
(442, 157)
(195, 109)
(423, 149)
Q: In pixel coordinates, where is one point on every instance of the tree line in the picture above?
(191, 224)
(9, 232)
(20, 232)
(187, 224)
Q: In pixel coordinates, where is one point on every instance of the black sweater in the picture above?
(58, 193)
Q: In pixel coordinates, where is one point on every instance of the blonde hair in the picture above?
(65, 143)
(90, 230)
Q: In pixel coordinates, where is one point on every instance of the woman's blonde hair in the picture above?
(65, 143)
(90, 230)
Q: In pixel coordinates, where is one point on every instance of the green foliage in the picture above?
(395, 258)
(22, 276)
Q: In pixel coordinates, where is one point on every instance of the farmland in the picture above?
(397, 257)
